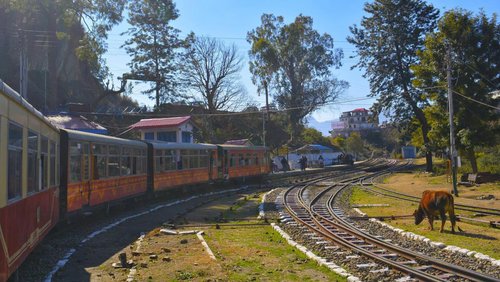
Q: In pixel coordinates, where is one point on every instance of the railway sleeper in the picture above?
(367, 265)
(446, 276)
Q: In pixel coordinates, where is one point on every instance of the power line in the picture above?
(476, 101)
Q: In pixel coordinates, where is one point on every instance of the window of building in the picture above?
(33, 164)
(167, 136)
(15, 155)
(149, 136)
(186, 137)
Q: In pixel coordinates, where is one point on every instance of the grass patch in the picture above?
(477, 238)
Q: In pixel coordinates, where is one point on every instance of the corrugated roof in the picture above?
(315, 148)
(75, 122)
(160, 122)
(242, 142)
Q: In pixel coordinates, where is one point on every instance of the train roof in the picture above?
(242, 147)
(182, 146)
(13, 95)
(86, 136)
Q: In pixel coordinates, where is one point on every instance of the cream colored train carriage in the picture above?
(29, 167)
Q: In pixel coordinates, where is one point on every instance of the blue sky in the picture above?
(230, 20)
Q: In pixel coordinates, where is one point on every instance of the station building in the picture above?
(172, 129)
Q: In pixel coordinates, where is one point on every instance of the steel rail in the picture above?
(315, 225)
(436, 263)
(410, 198)
(318, 222)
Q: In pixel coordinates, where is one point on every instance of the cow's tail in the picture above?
(452, 215)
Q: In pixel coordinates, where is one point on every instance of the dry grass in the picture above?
(476, 237)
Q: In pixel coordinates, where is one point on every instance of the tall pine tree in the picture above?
(154, 46)
(387, 43)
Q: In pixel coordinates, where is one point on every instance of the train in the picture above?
(48, 174)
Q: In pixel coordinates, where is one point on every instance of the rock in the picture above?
(136, 253)
(153, 257)
(184, 241)
(123, 259)
(167, 259)
(144, 264)
(486, 197)
(166, 250)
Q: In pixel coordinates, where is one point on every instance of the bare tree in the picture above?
(212, 70)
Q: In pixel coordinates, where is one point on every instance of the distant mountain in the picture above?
(323, 126)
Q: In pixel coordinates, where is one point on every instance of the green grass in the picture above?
(258, 252)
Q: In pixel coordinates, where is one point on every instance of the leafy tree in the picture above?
(386, 44)
(55, 31)
(212, 71)
(354, 144)
(154, 46)
(339, 141)
(295, 62)
(473, 43)
(312, 136)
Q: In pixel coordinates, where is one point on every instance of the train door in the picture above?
(220, 162)
(211, 164)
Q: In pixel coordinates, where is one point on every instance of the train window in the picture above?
(256, 158)
(100, 161)
(52, 163)
(159, 160)
(232, 161)
(75, 162)
(170, 160)
(114, 161)
(126, 161)
(33, 164)
(85, 152)
(100, 149)
(15, 157)
(248, 159)
(44, 162)
(241, 160)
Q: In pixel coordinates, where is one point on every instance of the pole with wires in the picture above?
(453, 152)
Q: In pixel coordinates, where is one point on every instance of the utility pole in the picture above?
(267, 113)
(23, 65)
(453, 152)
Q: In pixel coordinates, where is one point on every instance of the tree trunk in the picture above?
(471, 155)
(52, 79)
(428, 153)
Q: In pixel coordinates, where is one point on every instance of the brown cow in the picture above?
(435, 203)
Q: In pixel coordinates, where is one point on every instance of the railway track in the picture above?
(320, 215)
(386, 192)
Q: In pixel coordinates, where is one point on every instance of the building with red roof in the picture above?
(173, 129)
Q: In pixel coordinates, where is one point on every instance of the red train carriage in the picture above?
(100, 169)
(242, 161)
(177, 164)
(29, 193)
